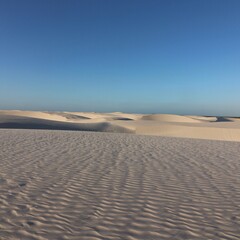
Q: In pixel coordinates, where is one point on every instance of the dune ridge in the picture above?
(36, 123)
(201, 127)
(169, 118)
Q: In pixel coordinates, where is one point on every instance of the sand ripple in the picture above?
(83, 185)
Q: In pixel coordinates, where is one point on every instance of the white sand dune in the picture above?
(202, 127)
(19, 122)
(200, 132)
(95, 186)
(34, 114)
(203, 118)
(169, 118)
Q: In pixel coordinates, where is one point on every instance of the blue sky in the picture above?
(151, 56)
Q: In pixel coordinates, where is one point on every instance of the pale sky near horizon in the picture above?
(151, 56)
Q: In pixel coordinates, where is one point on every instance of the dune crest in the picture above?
(169, 118)
(202, 127)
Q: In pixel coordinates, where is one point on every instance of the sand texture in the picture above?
(100, 186)
(201, 127)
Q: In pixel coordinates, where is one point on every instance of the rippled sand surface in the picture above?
(86, 185)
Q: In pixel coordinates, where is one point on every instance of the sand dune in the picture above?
(19, 122)
(200, 132)
(89, 185)
(202, 127)
(169, 118)
(203, 118)
(95, 186)
(34, 114)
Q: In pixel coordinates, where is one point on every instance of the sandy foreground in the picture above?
(90, 185)
(200, 127)
(114, 182)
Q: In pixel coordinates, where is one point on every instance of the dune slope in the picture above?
(170, 118)
(94, 186)
(26, 122)
(201, 127)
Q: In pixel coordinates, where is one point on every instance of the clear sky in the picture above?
(151, 56)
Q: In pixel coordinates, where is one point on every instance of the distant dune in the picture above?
(202, 127)
(169, 118)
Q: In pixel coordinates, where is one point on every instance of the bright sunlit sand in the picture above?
(120, 185)
(202, 127)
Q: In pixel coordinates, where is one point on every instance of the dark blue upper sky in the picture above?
(165, 56)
